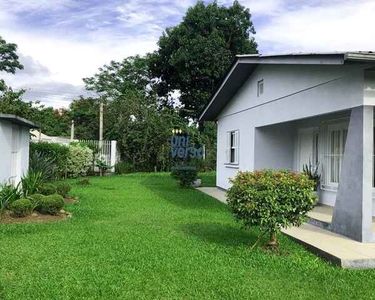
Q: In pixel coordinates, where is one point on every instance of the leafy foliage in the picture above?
(31, 183)
(84, 181)
(51, 205)
(185, 175)
(21, 207)
(8, 194)
(43, 163)
(35, 199)
(271, 199)
(79, 160)
(194, 55)
(8, 57)
(312, 172)
(48, 153)
(63, 188)
(47, 189)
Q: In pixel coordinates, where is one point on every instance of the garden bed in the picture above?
(35, 217)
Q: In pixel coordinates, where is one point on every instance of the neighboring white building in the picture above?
(280, 111)
(14, 147)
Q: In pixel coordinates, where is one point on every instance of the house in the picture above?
(14, 147)
(284, 111)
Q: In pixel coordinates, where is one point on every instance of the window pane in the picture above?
(232, 140)
(232, 155)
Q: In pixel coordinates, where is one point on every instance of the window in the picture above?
(336, 139)
(260, 87)
(15, 148)
(232, 147)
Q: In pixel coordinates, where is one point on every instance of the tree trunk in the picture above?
(273, 240)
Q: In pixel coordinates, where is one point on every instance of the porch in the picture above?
(341, 144)
(333, 247)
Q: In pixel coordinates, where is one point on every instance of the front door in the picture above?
(308, 147)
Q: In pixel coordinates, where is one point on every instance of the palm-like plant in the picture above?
(43, 164)
(312, 171)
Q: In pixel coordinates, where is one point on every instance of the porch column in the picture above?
(352, 215)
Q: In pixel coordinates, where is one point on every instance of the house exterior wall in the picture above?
(291, 93)
(5, 150)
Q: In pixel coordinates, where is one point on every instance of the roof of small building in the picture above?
(18, 120)
(244, 65)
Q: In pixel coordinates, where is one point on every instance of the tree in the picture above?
(8, 57)
(194, 55)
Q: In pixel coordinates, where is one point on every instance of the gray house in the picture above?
(284, 111)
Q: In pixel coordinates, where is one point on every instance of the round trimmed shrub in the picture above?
(271, 200)
(51, 205)
(21, 208)
(63, 189)
(185, 175)
(36, 198)
(47, 189)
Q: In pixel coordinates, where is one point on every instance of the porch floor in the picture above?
(336, 248)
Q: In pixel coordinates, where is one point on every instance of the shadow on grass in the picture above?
(221, 234)
(187, 198)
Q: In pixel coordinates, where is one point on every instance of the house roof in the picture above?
(18, 120)
(244, 65)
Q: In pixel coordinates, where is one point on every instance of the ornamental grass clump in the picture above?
(271, 200)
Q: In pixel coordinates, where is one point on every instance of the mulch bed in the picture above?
(35, 217)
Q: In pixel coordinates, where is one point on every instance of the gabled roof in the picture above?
(18, 120)
(244, 65)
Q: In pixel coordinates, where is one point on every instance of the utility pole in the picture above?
(101, 123)
(72, 131)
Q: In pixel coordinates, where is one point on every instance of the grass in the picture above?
(208, 179)
(141, 237)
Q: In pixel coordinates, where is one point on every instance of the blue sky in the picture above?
(62, 41)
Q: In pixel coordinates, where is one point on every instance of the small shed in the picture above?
(14, 147)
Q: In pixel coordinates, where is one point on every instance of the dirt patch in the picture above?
(71, 200)
(35, 217)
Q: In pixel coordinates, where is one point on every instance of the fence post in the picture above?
(113, 155)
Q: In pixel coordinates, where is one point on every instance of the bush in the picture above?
(35, 199)
(79, 160)
(51, 204)
(63, 189)
(31, 183)
(185, 175)
(21, 207)
(47, 189)
(40, 162)
(124, 167)
(84, 181)
(8, 194)
(271, 199)
(52, 152)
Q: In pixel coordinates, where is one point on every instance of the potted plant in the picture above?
(312, 171)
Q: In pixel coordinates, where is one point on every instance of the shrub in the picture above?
(84, 181)
(79, 160)
(21, 208)
(47, 189)
(54, 152)
(35, 199)
(8, 194)
(41, 162)
(51, 204)
(271, 200)
(312, 172)
(63, 189)
(31, 182)
(124, 167)
(185, 175)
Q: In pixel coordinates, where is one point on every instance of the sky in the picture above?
(62, 41)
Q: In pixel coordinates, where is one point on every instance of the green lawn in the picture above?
(208, 179)
(141, 237)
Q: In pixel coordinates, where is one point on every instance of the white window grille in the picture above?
(232, 147)
(333, 148)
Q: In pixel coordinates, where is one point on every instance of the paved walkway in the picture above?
(338, 249)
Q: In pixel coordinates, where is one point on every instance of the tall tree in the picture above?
(8, 57)
(194, 55)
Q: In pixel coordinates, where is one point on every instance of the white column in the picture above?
(113, 155)
(352, 215)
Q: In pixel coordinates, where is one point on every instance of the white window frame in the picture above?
(260, 88)
(232, 147)
(331, 128)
